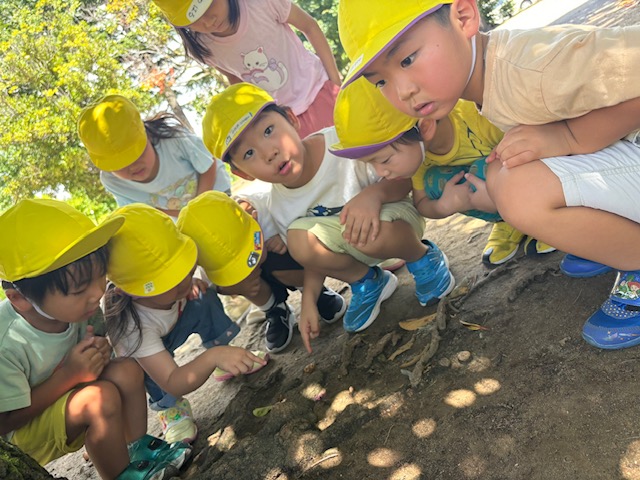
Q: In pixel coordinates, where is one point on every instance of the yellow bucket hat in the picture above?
(149, 256)
(365, 121)
(113, 132)
(182, 13)
(41, 235)
(368, 27)
(229, 113)
(229, 240)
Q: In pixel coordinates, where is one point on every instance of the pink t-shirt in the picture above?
(266, 52)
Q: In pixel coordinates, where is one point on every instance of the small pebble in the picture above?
(445, 362)
(309, 368)
(464, 356)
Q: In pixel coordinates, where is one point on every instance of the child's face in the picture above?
(165, 300)
(270, 150)
(424, 73)
(79, 304)
(215, 20)
(144, 169)
(397, 160)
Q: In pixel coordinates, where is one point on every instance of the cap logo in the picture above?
(239, 125)
(197, 9)
(149, 287)
(257, 240)
(355, 65)
(252, 261)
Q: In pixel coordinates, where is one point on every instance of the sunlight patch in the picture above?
(460, 398)
(473, 466)
(487, 386)
(630, 462)
(407, 472)
(424, 428)
(383, 457)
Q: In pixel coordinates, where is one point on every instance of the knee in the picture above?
(100, 400)
(299, 247)
(125, 373)
(508, 191)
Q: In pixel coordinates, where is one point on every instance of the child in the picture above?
(587, 76)
(252, 41)
(157, 162)
(225, 253)
(149, 315)
(371, 130)
(336, 217)
(60, 387)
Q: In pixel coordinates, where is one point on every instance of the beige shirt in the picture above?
(555, 73)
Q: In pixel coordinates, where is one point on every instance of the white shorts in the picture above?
(608, 180)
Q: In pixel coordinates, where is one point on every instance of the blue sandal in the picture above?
(616, 324)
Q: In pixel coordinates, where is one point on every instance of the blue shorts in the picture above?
(204, 316)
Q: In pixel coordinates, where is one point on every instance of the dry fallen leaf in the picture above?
(473, 326)
(416, 323)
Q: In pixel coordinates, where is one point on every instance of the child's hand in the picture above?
(480, 199)
(250, 209)
(276, 245)
(455, 196)
(198, 287)
(309, 324)
(85, 362)
(100, 343)
(361, 219)
(236, 360)
(526, 143)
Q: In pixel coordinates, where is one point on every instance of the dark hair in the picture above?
(164, 125)
(74, 275)
(409, 137)
(192, 42)
(118, 308)
(442, 15)
(269, 108)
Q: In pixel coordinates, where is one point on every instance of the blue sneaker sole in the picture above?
(618, 346)
(387, 291)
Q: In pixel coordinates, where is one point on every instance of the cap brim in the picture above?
(379, 45)
(88, 243)
(177, 24)
(249, 123)
(356, 153)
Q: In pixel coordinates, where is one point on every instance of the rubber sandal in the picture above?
(220, 375)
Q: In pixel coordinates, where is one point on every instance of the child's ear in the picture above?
(240, 173)
(19, 301)
(465, 14)
(293, 119)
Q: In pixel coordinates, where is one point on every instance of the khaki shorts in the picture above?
(329, 231)
(45, 437)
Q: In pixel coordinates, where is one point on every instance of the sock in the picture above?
(269, 305)
(371, 273)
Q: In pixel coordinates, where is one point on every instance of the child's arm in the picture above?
(207, 180)
(309, 324)
(586, 134)
(84, 363)
(178, 381)
(361, 214)
(231, 78)
(307, 25)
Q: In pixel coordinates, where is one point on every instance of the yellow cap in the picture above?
(182, 13)
(365, 121)
(229, 113)
(113, 133)
(149, 256)
(368, 27)
(39, 236)
(229, 240)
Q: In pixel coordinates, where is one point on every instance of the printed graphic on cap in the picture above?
(252, 261)
(355, 65)
(149, 287)
(197, 9)
(257, 240)
(236, 127)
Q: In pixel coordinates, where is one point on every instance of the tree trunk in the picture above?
(170, 95)
(17, 465)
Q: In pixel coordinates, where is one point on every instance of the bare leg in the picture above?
(530, 198)
(396, 240)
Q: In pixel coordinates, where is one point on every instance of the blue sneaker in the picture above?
(578, 267)
(617, 323)
(432, 276)
(366, 298)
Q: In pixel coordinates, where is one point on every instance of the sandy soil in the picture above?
(523, 398)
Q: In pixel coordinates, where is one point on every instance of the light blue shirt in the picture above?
(181, 159)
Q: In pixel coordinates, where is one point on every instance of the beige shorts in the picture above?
(329, 231)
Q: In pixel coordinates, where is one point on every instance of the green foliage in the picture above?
(495, 12)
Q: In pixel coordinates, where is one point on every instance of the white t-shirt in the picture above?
(267, 53)
(181, 160)
(336, 182)
(155, 324)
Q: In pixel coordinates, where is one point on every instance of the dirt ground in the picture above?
(522, 398)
